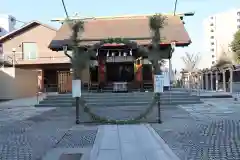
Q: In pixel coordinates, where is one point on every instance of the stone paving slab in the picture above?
(20, 113)
(33, 136)
(213, 109)
(127, 142)
(22, 102)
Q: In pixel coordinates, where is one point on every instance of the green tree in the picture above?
(235, 47)
(80, 58)
(156, 23)
(223, 61)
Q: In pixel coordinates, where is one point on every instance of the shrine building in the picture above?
(118, 63)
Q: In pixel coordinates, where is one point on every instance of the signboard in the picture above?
(76, 88)
(158, 83)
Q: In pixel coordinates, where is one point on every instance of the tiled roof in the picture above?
(135, 27)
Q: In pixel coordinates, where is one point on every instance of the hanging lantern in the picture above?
(108, 54)
(124, 54)
(113, 54)
(130, 52)
(119, 54)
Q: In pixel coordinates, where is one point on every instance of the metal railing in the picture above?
(193, 88)
(19, 57)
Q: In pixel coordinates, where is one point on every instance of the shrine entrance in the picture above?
(120, 72)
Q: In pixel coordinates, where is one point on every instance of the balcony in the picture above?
(5, 60)
(19, 60)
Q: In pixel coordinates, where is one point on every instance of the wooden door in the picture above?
(64, 81)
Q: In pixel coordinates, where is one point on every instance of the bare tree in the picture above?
(191, 61)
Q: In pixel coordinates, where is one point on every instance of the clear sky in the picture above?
(45, 10)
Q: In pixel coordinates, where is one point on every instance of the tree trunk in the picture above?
(156, 68)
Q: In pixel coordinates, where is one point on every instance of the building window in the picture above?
(238, 13)
(238, 20)
(211, 24)
(212, 37)
(213, 62)
(0, 29)
(211, 17)
(212, 50)
(238, 26)
(213, 56)
(212, 43)
(30, 50)
(212, 30)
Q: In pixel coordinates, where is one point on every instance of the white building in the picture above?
(7, 24)
(219, 30)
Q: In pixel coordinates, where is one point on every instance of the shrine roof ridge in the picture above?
(136, 29)
(130, 16)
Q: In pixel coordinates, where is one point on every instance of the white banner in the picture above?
(158, 83)
(76, 88)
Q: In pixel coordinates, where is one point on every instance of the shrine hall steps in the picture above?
(119, 99)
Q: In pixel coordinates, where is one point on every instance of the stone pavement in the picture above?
(204, 131)
(214, 109)
(22, 102)
(20, 109)
(34, 136)
(128, 142)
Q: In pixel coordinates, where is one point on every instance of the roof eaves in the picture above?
(24, 27)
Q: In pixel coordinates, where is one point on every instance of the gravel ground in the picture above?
(31, 138)
(199, 134)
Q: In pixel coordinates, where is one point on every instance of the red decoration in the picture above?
(102, 69)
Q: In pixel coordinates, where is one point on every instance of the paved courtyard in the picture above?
(204, 131)
(28, 133)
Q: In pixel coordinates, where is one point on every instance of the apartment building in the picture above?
(7, 24)
(219, 30)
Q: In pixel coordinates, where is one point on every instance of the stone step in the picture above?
(118, 99)
(117, 95)
(112, 104)
(122, 98)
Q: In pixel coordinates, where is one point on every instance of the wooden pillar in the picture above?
(101, 71)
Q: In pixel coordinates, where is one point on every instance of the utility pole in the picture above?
(175, 7)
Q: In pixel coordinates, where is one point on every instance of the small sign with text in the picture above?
(158, 83)
(76, 88)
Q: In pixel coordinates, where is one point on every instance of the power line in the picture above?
(65, 8)
(175, 7)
